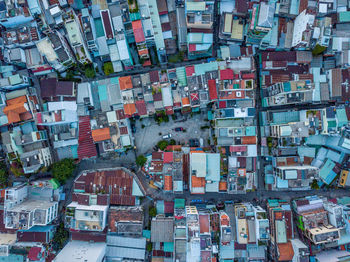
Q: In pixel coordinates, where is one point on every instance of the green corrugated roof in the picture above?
(179, 203)
(55, 184)
(201, 69)
(181, 76)
(285, 117)
(341, 116)
(195, 6)
(344, 16)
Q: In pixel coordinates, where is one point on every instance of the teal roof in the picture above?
(306, 151)
(146, 234)
(213, 163)
(115, 80)
(341, 116)
(201, 69)
(344, 16)
(102, 92)
(250, 131)
(160, 207)
(179, 203)
(135, 16)
(227, 251)
(74, 149)
(287, 87)
(326, 173)
(285, 117)
(168, 246)
(316, 140)
(269, 179)
(181, 76)
(210, 115)
(99, 27)
(334, 156)
(282, 183)
(136, 191)
(343, 200)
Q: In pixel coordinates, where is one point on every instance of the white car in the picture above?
(167, 136)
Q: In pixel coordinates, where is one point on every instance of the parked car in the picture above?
(194, 142)
(167, 136)
(179, 129)
(133, 128)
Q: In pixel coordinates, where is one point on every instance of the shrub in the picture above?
(141, 160)
(108, 68)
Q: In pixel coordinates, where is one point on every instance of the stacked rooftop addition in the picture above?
(27, 206)
(199, 18)
(318, 221)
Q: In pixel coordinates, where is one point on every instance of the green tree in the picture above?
(162, 144)
(108, 68)
(63, 170)
(149, 246)
(152, 212)
(172, 142)
(60, 237)
(314, 184)
(3, 176)
(141, 160)
(89, 72)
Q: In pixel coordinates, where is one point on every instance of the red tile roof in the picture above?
(121, 191)
(204, 223)
(168, 183)
(168, 207)
(141, 107)
(89, 236)
(168, 157)
(86, 146)
(222, 104)
(189, 70)
(286, 251)
(154, 76)
(226, 74)
(120, 114)
(33, 253)
(157, 155)
(213, 94)
(169, 110)
(107, 24)
(123, 130)
(138, 31)
(192, 47)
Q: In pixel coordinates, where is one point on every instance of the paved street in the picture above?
(146, 138)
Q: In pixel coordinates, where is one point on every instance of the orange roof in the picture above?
(173, 148)
(125, 82)
(248, 140)
(101, 134)
(14, 108)
(129, 109)
(143, 52)
(222, 186)
(198, 181)
(168, 183)
(185, 101)
(286, 251)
